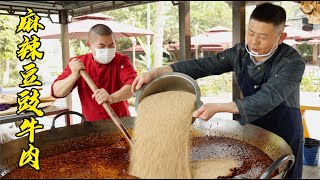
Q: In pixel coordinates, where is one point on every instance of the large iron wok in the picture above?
(99, 133)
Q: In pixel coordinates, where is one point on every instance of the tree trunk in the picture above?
(148, 38)
(314, 54)
(158, 35)
(6, 73)
(134, 43)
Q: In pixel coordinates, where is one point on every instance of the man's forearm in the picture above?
(122, 94)
(230, 107)
(161, 70)
(63, 87)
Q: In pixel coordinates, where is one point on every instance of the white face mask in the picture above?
(256, 54)
(105, 55)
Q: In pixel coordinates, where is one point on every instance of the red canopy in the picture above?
(291, 42)
(314, 41)
(222, 36)
(212, 38)
(312, 35)
(294, 33)
(138, 48)
(172, 47)
(219, 29)
(217, 36)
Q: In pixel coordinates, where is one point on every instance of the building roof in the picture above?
(78, 8)
(74, 8)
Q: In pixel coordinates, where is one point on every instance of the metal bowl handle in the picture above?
(289, 159)
(68, 112)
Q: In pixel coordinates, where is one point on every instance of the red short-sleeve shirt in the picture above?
(112, 77)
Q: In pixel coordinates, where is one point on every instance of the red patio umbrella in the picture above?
(223, 36)
(314, 41)
(312, 35)
(176, 47)
(291, 42)
(294, 33)
(172, 47)
(212, 48)
(212, 38)
(219, 29)
(215, 36)
(80, 26)
(138, 48)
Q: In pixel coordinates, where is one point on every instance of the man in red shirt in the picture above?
(111, 72)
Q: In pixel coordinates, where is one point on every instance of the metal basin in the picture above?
(169, 82)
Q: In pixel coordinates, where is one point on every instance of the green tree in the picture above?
(204, 13)
(305, 50)
(134, 15)
(79, 47)
(208, 14)
(292, 8)
(8, 47)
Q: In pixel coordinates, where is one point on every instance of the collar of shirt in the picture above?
(258, 63)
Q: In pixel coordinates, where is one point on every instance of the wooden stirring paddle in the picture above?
(108, 109)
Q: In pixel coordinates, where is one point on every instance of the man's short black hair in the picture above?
(101, 29)
(269, 13)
